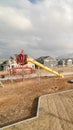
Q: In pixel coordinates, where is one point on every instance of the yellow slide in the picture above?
(44, 67)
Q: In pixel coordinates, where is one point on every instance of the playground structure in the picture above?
(17, 98)
(23, 68)
(44, 67)
(23, 59)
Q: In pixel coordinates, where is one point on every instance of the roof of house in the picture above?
(2, 60)
(44, 57)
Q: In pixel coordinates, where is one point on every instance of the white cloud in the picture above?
(14, 18)
(46, 27)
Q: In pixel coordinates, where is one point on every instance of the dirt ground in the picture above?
(18, 99)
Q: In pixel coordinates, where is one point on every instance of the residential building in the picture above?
(47, 61)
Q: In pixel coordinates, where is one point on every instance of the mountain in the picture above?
(65, 56)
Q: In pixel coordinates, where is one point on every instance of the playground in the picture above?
(19, 96)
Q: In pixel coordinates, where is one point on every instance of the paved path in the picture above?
(55, 112)
(33, 76)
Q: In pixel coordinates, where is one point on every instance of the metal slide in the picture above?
(44, 67)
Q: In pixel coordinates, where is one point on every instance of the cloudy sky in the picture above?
(40, 27)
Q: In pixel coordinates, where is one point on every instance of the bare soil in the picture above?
(19, 99)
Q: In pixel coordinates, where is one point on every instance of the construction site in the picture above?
(37, 99)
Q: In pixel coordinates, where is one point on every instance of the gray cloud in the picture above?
(43, 28)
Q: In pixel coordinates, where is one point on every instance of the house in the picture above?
(68, 62)
(41, 59)
(1, 63)
(47, 61)
(61, 62)
(50, 61)
(12, 62)
(65, 62)
(6, 64)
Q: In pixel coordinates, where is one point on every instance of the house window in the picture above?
(12, 66)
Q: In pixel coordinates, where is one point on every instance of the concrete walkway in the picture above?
(55, 112)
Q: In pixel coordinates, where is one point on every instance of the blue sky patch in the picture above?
(34, 1)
